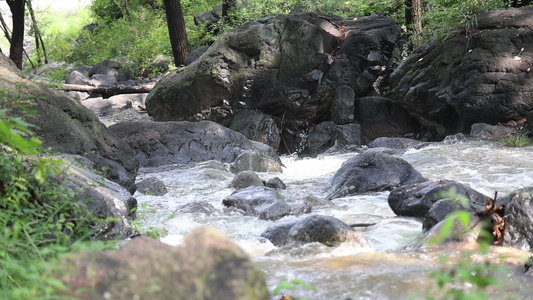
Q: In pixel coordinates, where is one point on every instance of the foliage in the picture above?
(292, 286)
(465, 279)
(38, 219)
(516, 141)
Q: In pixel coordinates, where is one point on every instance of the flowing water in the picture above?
(389, 269)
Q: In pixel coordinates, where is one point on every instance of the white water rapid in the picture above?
(389, 269)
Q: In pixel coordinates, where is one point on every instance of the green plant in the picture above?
(293, 286)
(516, 141)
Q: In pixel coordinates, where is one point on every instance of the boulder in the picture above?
(383, 117)
(152, 186)
(265, 203)
(103, 198)
(487, 131)
(518, 216)
(396, 143)
(328, 134)
(114, 104)
(76, 77)
(207, 265)
(66, 126)
(257, 126)
(196, 209)
(187, 142)
(276, 183)
(291, 67)
(246, 179)
(471, 78)
(371, 172)
(100, 80)
(194, 55)
(253, 161)
(316, 228)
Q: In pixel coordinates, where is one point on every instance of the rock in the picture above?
(468, 79)
(246, 179)
(322, 229)
(382, 117)
(416, 199)
(518, 216)
(276, 183)
(196, 208)
(257, 127)
(267, 204)
(187, 142)
(289, 67)
(438, 212)
(371, 172)
(108, 67)
(114, 104)
(160, 65)
(152, 186)
(103, 198)
(328, 134)
(194, 55)
(76, 77)
(251, 161)
(482, 130)
(209, 18)
(103, 80)
(67, 127)
(206, 265)
(396, 143)
(343, 107)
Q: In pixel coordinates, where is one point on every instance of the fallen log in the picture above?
(107, 91)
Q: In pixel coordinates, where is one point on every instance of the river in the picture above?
(390, 269)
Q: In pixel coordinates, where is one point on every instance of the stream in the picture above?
(390, 268)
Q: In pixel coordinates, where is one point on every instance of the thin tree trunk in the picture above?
(17, 38)
(39, 45)
(107, 91)
(176, 30)
(413, 19)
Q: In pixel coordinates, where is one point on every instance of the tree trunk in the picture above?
(107, 91)
(176, 30)
(413, 19)
(226, 7)
(17, 37)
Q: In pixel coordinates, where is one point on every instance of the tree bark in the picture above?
(17, 37)
(107, 91)
(226, 7)
(176, 30)
(413, 19)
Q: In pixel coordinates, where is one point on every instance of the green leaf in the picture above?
(283, 285)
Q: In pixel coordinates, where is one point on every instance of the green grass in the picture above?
(516, 141)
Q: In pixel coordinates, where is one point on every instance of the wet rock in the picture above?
(267, 204)
(294, 68)
(246, 179)
(114, 104)
(417, 199)
(371, 172)
(185, 142)
(103, 80)
(438, 212)
(322, 229)
(103, 198)
(152, 186)
(518, 216)
(397, 143)
(276, 183)
(66, 126)
(206, 264)
(76, 77)
(250, 161)
(257, 127)
(328, 134)
(197, 208)
(382, 117)
(467, 79)
(482, 130)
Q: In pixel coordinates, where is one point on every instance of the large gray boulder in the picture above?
(371, 172)
(328, 134)
(518, 216)
(316, 228)
(258, 127)
(66, 126)
(479, 77)
(207, 265)
(104, 198)
(161, 143)
(305, 66)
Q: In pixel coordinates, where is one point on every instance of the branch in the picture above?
(107, 91)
